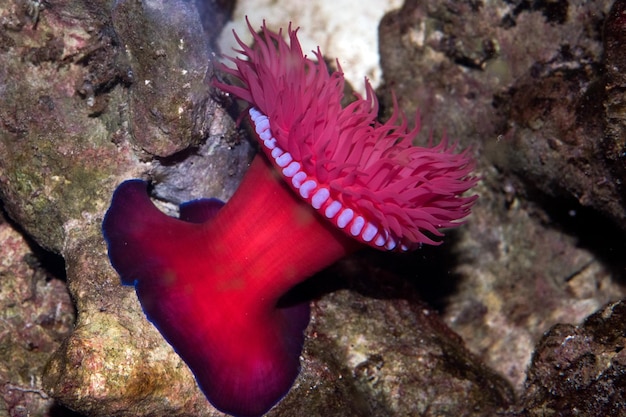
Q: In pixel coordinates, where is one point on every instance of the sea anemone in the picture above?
(334, 179)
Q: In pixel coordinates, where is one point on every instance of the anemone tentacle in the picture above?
(366, 177)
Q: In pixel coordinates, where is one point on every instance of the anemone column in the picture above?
(211, 286)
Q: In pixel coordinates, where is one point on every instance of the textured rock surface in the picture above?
(167, 54)
(613, 144)
(392, 371)
(513, 79)
(36, 314)
(581, 368)
(545, 123)
(524, 81)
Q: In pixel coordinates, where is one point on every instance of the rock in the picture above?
(516, 81)
(522, 82)
(167, 51)
(36, 315)
(580, 368)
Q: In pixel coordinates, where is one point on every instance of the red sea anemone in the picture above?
(334, 179)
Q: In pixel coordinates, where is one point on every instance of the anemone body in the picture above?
(211, 284)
